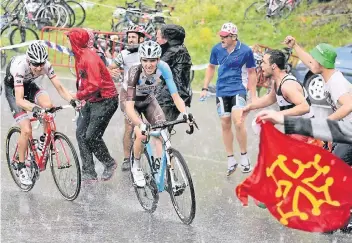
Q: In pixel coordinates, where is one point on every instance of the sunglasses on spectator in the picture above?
(224, 37)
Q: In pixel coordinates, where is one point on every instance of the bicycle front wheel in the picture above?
(65, 167)
(180, 187)
(12, 157)
(148, 196)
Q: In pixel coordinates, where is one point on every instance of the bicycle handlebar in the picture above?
(52, 110)
(191, 124)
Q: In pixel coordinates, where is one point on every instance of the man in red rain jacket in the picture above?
(97, 89)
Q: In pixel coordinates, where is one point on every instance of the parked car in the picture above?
(315, 83)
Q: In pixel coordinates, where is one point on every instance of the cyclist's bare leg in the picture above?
(137, 146)
(127, 139)
(241, 131)
(26, 132)
(158, 146)
(43, 100)
(227, 134)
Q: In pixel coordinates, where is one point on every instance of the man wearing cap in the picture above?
(236, 70)
(338, 90)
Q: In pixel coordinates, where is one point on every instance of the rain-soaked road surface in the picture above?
(110, 212)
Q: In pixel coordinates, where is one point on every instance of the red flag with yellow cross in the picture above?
(303, 186)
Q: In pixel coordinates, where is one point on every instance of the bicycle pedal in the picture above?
(64, 167)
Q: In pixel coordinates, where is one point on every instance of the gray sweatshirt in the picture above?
(326, 130)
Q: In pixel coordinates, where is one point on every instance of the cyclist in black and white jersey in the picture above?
(24, 95)
(126, 59)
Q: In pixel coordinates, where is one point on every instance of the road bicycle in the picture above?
(57, 150)
(171, 175)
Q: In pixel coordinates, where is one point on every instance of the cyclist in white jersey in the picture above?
(291, 97)
(143, 81)
(126, 59)
(24, 95)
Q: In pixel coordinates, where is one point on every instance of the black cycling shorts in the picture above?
(149, 107)
(31, 93)
(225, 104)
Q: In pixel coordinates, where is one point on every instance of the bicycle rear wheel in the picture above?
(65, 169)
(12, 157)
(148, 196)
(79, 12)
(181, 189)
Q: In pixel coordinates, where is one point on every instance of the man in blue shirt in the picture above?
(236, 67)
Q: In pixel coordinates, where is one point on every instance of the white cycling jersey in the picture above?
(20, 71)
(126, 60)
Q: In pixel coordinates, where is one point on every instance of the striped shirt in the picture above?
(327, 130)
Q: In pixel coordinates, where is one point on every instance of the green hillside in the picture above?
(203, 18)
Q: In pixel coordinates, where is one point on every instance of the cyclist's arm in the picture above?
(264, 101)
(345, 108)
(132, 114)
(291, 90)
(304, 56)
(20, 101)
(61, 89)
(133, 77)
(324, 129)
(170, 83)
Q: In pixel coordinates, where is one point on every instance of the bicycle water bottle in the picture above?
(41, 142)
(36, 145)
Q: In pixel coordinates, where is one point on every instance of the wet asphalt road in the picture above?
(110, 212)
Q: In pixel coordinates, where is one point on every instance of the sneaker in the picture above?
(245, 165)
(126, 164)
(231, 170)
(88, 178)
(109, 172)
(24, 177)
(138, 177)
(348, 228)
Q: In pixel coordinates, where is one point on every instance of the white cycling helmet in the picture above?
(36, 53)
(149, 49)
(136, 29)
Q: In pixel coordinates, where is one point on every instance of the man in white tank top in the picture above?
(290, 95)
(126, 59)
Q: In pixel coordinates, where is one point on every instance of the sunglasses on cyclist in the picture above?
(150, 60)
(34, 64)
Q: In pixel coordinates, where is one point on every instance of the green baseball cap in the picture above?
(325, 54)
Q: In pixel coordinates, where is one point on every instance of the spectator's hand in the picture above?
(245, 112)
(290, 41)
(203, 94)
(114, 72)
(73, 103)
(271, 116)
